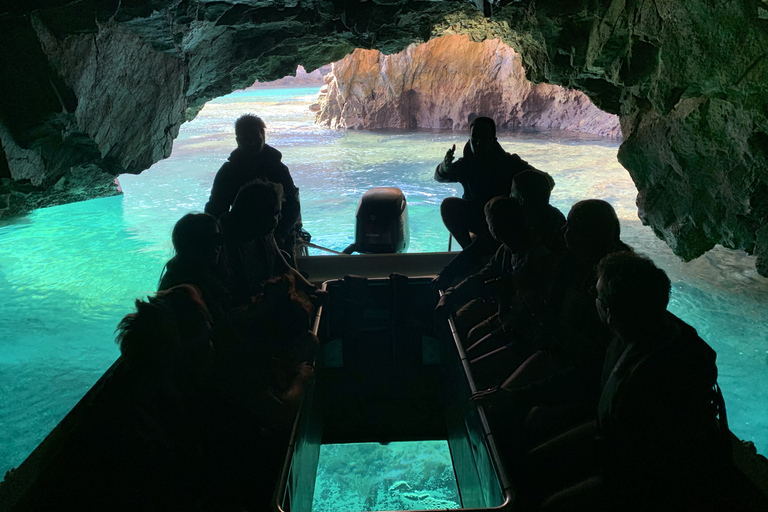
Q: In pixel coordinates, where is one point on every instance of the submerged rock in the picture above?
(446, 81)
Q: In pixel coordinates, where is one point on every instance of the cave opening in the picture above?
(128, 239)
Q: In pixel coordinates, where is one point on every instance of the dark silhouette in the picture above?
(166, 348)
(657, 435)
(562, 380)
(485, 171)
(251, 247)
(254, 159)
(573, 331)
(518, 268)
(532, 188)
(170, 331)
(198, 241)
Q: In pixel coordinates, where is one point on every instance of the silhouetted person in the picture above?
(252, 249)
(532, 189)
(166, 348)
(197, 241)
(657, 434)
(261, 383)
(519, 269)
(485, 170)
(563, 381)
(254, 159)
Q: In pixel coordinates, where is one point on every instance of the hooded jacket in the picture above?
(244, 167)
(483, 180)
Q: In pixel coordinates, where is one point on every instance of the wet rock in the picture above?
(443, 83)
(101, 88)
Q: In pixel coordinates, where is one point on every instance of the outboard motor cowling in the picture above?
(382, 222)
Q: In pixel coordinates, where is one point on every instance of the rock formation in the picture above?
(302, 79)
(94, 88)
(446, 81)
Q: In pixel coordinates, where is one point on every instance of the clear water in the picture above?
(69, 273)
(414, 475)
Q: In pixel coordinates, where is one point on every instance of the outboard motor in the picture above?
(382, 222)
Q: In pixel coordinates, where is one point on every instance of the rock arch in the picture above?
(91, 89)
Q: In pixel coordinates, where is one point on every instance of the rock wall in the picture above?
(94, 88)
(690, 83)
(445, 82)
(302, 79)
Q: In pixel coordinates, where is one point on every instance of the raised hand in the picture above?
(448, 160)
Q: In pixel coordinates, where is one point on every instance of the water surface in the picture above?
(69, 273)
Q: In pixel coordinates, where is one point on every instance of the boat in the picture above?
(384, 374)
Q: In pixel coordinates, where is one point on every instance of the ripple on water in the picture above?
(69, 273)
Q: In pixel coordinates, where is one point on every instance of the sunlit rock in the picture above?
(445, 82)
(90, 90)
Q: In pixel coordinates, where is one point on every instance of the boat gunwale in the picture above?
(504, 484)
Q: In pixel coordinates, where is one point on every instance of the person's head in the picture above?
(169, 331)
(250, 133)
(506, 222)
(482, 135)
(592, 227)
(197, 239)
(632, 292)
(259, 203)
(532, 187)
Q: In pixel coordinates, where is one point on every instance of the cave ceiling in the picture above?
(91, 89)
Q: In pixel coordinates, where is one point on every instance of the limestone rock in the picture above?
(443, 83)
(101, 88)
(300, 79)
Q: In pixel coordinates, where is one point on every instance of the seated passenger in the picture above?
(578, 337)
(517, 272)
(660, 445)
(484, 171)
(532, 188)
(168, 355)
(250, 242)
(197, 241)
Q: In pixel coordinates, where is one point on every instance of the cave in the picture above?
(95, 89)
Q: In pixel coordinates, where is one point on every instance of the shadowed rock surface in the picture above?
(441, 83)
(91, 89)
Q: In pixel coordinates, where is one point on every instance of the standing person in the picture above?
(254, 159)
(485, 171)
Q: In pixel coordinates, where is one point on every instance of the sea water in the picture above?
(414, 475)
(69, 273)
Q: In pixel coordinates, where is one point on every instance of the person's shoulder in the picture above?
(555, 215)
(516, 163)
(689, 341)
(271, 153)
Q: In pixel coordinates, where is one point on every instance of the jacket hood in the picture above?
(267, 154)
(496, 149)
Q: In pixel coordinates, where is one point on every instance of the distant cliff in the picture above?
(443, 83)
(302, 79)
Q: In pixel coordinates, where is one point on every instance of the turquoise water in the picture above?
(69, 273)
(415, 475)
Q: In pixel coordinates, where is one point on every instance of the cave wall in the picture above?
(690, 83)
(91, 89)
